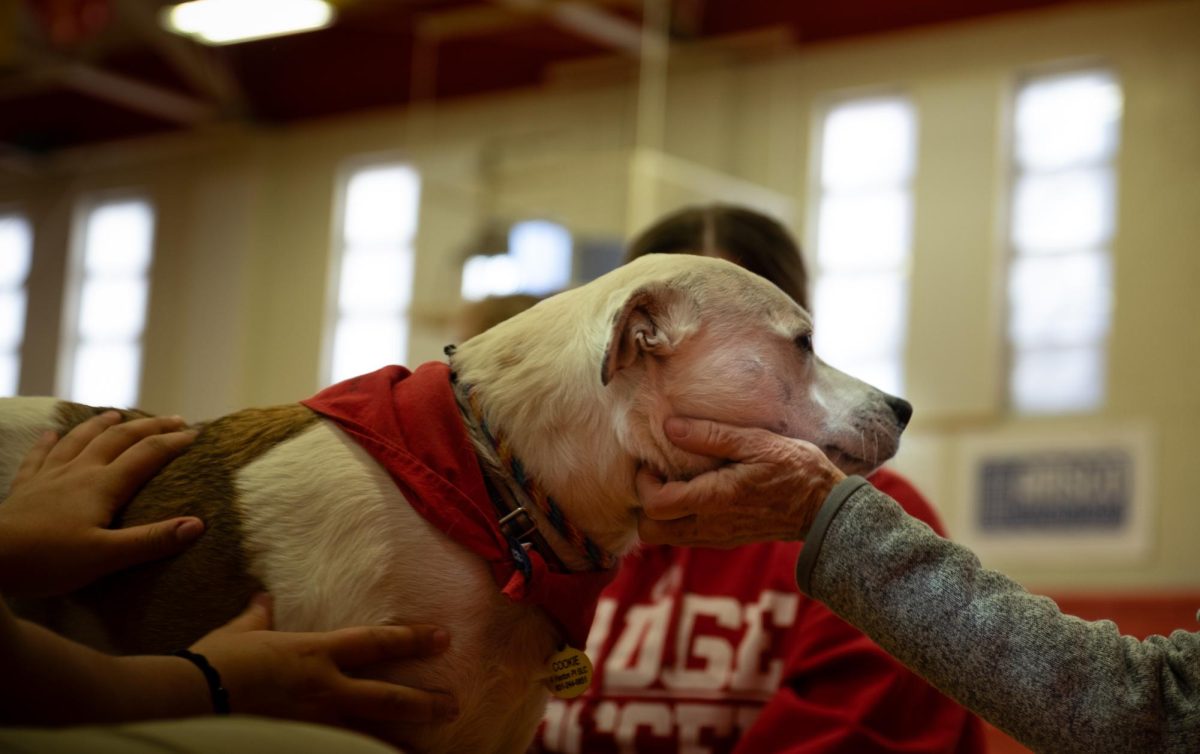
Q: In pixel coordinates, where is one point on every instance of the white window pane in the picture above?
(112, 309)
(542, 251)
(376, 281)
(857, 317)
(1057, 381)
(10, 366)
(886, 374)
(868, 143)
(119, 238)
(1063, 299)
(16, 248)
(364, 344)
(863, 231)
(12, 319)
(1067, 120)
(496, 275)
(1069, 210)
(381, 206)
(106, 374)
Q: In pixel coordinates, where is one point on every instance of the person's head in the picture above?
(743, 236)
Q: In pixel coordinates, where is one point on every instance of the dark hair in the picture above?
(747, 238)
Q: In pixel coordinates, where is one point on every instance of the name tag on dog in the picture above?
(568, 673)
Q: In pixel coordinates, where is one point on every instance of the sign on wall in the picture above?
(1058, 495)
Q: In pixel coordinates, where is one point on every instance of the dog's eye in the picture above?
(804, 342)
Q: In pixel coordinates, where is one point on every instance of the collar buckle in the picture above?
(517, 524)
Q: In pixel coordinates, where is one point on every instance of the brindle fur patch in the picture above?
(166, 605)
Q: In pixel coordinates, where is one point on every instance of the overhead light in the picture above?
(220, 22)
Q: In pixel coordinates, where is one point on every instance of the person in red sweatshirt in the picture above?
(703, 650)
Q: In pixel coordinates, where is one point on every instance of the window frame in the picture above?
(75, 276)
(1014, 172)
(22, 214)
(821, 111)
(338, 246)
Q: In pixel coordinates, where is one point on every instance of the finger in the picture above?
(126, 548)
(256, 616)
(352, 647)
(36, 456)
(709, 438)
(144, 459)
(120, 438)
(81, 436)
(661, 500)
(680, 532)
(380, 700)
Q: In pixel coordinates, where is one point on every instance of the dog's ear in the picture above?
(638, 328)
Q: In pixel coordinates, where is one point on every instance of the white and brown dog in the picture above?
(358, 507)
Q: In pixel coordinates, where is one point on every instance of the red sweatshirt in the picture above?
(699, 650)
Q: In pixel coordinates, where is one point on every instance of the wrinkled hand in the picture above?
(54, 535)
(301, 676)
(772, 490)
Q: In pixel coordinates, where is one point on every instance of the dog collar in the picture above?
(517, 495)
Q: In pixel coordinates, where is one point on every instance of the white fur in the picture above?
(25, 419)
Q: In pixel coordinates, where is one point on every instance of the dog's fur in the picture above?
(581, 385)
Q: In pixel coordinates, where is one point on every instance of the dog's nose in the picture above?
(901, 408)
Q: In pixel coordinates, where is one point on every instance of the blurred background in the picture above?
(234, 203)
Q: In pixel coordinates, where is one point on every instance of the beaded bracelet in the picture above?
(220, 697)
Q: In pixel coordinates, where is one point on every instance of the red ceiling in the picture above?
(364, 61)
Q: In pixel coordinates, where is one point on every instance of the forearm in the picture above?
(49, 680)
(1055, 682)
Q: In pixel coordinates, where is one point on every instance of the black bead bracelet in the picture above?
(220, 697)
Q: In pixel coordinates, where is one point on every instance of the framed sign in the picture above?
(1058, 495)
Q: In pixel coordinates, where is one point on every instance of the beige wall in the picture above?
(244, 238)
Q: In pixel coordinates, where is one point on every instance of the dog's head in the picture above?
(704, 338)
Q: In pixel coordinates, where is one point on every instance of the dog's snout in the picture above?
(901, 408)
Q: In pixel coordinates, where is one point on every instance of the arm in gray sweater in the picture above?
(1052, 681)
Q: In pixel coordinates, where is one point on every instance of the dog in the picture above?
(536, 426)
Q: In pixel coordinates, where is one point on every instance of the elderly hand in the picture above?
(54, 535)
(773, 489)
(303, 676)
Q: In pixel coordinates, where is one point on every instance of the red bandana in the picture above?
(409, 422)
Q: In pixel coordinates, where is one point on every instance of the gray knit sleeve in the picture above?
(1054, 682)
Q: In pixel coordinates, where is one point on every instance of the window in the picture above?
(16, 250)
(1066, 130)
(107, 295)
(537, 262)
(863, 241)
(375, 257)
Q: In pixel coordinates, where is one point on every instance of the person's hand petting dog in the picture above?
(771, 491)
(54, 526)
(55, 537)
(305, 676)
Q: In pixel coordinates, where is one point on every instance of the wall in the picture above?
(240, 290)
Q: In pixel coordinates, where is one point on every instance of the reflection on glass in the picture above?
(107, 374)
(1061, 300)
(1061, 380)
(868, 143)
(1067, 120)
(117, 240)
(1062, 211)
(381, 206)
(365, 343)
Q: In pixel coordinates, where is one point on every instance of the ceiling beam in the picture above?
(200, 67)
(149, 99)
